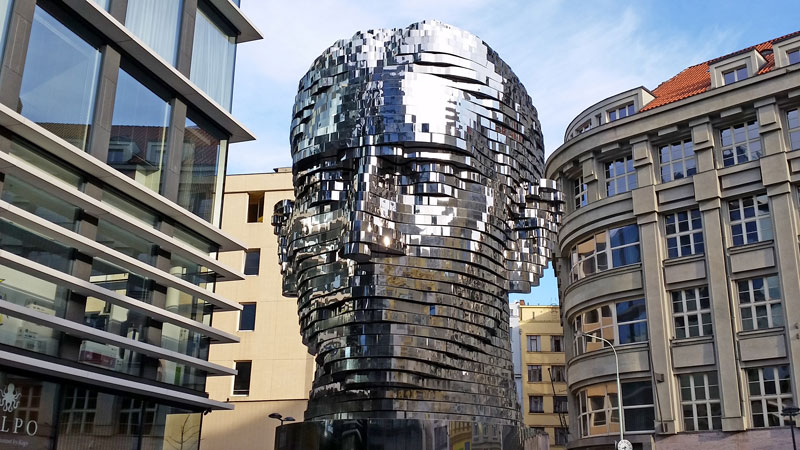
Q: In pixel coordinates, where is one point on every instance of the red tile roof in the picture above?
(696, 79)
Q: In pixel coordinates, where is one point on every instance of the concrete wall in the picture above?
(282, 368)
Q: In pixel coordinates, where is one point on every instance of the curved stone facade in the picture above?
(417, 159)
(680, 246)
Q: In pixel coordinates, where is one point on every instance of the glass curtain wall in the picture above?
(157, 23)
(138, 146)
(59, 82)
(213, 56)
(200, 188)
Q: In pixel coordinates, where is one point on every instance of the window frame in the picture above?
(255, 207)
(612, 177)
(558, 373)
(714, 422)
(558, 402)
(763, 232)
(241, 392)
(686, 147)
(557, 339)
(532, 370)
(254, 305)
(778, 397)
(609, 410)
(702, 314)
(534, 338)
(535, 400)
(621, 111)
(750, 154)
(736, 75)
(770, 285)
(693, 232)
(793, 54)
(793, 132)
(250, 271)
(611, 322)
(606, 252)
(580, 192)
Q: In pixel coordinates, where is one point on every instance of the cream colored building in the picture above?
(680, 246)
(281, 368)
(544, 388)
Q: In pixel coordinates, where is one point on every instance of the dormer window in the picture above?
(735, 68)
(734, 75)
(620, 112)
(794, 56)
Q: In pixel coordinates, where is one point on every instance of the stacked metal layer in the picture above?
(419, 206)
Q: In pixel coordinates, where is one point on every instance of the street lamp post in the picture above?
(791, 411)
(277, 416)
(622, 444)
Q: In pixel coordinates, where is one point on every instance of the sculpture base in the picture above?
(401, 434)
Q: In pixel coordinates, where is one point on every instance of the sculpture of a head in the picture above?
(419, 205)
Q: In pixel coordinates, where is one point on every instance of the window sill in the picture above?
(684, 259)
(733, 250)
(722, 170)
(676, 342)
(622, 348)
(606, 273)
(761, 332)
(674, 183)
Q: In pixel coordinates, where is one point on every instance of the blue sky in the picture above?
(569, 54)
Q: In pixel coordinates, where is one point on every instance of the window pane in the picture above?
(156, 22)
(200, 188)
(139, 132)
(251, 262)
(213, 58)
(59, 82)
(241, 382)
(36, 201)
(247, 317)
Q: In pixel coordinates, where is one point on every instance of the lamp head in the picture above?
(289, 419)
(275, 416)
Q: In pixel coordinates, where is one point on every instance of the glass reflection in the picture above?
(39, 295)
(35, 247)
(138, 146)
(157, 24)
(213, 57)
(117, 320)
(125, 242)
(59, 82)
(47, 163)
(35, 201)
(200, 189)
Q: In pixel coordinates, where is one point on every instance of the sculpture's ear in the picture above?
(373, 202)
(539, 207)
(281, 222)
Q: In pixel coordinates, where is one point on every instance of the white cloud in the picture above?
(570, 55)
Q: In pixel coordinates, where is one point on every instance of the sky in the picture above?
(568, 54)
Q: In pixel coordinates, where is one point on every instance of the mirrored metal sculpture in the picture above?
(419, 205)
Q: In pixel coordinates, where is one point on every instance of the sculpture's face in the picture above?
(417, 160)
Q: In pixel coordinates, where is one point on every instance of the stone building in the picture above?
(680, 246)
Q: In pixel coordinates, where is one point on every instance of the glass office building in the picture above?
(113, 143)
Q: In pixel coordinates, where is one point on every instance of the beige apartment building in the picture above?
(544, 387)
(680, 247)
(274, 368)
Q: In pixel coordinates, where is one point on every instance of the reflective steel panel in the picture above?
(420, 204)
